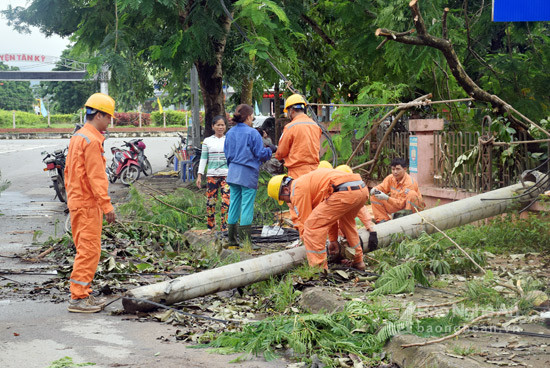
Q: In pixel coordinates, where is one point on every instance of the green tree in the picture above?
(173, 35)
(15, 95)
(67, 97)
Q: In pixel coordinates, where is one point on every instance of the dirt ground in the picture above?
(488, 349)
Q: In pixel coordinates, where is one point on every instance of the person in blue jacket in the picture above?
(245, 152)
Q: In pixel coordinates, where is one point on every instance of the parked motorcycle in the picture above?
(55, 166)
(123, 166)
(180, 148)
(188, 152)
(137, 149)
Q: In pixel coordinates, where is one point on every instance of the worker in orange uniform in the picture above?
(88, 199)
(364, 217)
(321, 199)
(399, 191)
(300, 142)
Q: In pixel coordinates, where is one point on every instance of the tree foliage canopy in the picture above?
(327, 48)
(15, 95)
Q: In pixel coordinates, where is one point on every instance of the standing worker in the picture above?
(399, 191)
(216, 175)
(88, 199)
(300, 142)
(244, 151)
(323, 198)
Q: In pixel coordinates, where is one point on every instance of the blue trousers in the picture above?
(241, 205)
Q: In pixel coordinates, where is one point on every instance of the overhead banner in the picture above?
(521, 11)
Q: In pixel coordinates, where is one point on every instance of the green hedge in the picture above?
(30, 120)
(172, 117)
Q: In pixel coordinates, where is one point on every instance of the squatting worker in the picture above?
(213, 156)
(321, 199)
(88, 200)
(399, 191)
(300, 142)
(244, 151)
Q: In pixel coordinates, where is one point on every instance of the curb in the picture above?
(67, 133)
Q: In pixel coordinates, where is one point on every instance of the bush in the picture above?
(132, 118)
(22, 119)
(172, 117)
(61, 118)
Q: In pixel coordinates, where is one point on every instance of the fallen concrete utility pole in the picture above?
(261, 268)
(457, 213)
(214, 280)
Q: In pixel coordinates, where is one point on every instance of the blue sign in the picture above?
(521, 11)
(413, 154)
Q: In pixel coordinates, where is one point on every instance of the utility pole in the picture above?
(196, 128)
(104, 79)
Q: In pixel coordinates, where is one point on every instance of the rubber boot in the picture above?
(246, 237)
(232, 230)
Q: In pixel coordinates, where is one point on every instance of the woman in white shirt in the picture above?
(213, 155)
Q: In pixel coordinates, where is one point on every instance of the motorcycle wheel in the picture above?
(68, 228)
(146, 167)
(170, 160)
(59, 186)
(129, 174)
(110, 175)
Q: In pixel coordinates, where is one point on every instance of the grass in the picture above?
(464, 350)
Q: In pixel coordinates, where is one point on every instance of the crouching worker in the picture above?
(88, 200)
(323, 198)
(399, 191)
(364, 216)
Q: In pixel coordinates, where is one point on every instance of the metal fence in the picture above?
(463, 162)
(472, 162)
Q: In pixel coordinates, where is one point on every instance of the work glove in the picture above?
(373, 190)
(273, 148)
(373, 242)
(381, 195)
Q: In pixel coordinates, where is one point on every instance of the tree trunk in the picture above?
(276, 101)
(246, 90)
(211, 78)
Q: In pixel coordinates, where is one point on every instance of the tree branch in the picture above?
(318, 29)
(470, 87)
(464, 328)
(444, 24)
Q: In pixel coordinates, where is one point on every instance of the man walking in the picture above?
(88, 200)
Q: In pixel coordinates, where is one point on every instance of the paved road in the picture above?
(34, 332)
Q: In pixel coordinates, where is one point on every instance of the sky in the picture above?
(12, 42)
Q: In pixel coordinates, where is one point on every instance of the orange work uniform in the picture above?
(321, 199)
(403, 195)
(88, 199)
(299, 146)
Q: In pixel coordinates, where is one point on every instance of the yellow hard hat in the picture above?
(324, 164)
(344, 168)
(101, 102)
(274, 186)
(294, 100)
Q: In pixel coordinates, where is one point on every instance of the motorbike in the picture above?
(188, 152)
(137, 150)
(180, 148)
(123, 166)
(55, 166)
